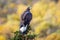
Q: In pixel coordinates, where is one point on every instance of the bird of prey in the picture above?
(26, 17)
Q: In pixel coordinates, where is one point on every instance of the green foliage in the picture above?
(19, 36)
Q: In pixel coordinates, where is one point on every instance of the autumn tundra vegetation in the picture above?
(45, 23)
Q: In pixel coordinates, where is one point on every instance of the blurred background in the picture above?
(45, 23)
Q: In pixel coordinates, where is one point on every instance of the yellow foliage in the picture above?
(57, 37)
(53, 36)
(37, 38)
(13, 17)
(2, 37)
(35, 21)
(50, 14)
(58, 18)
(43, 15)
(39, 9)
(20, 9)
(58, 15)
(11, 5)
(42, 26)
(11, 25)
(13, 22)
(14, 26)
